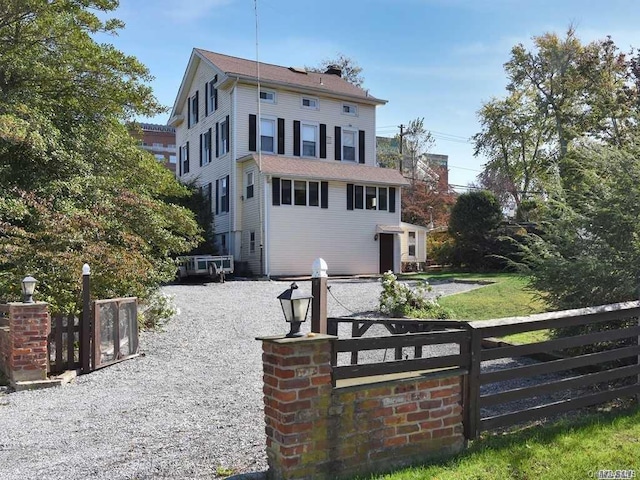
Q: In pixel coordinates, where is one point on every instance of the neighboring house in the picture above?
(289, 166)
(413, 246)
(160, 140)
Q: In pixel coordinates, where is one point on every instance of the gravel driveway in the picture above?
(188, 409)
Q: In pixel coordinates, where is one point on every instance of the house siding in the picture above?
(250, 216)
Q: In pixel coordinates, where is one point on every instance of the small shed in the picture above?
(413, 247)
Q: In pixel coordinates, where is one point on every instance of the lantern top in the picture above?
(293, 293)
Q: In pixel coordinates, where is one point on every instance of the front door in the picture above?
(386, 252)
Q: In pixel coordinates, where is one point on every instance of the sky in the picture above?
(432, 59)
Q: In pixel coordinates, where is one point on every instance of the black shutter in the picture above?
(201, 142)
(217, 140)
(338, 143)
(228, 134)
(217, 197)
(349, 196)
(323, 140)
(180, 161)
(197, 105)
(215, 94)
(209, 198)
(275, 191)
(324, 194)
(361, 146)
(253, 132)
(392, 199)
(228, 194)
(281, 136)
(210, 144)
(186, 163)
(206, 99)
(189, 112)
(296, 138)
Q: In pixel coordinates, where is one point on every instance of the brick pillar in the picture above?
(297, 396)
(29, 326)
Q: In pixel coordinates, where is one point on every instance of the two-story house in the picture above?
(287, 158)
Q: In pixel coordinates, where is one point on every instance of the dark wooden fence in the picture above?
(609, 370)
(63, 345)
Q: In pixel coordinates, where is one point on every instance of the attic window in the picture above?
(268, 96)
(298, 70)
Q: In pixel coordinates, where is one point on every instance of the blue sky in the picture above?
(437, 59)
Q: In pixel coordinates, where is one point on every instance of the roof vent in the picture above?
(298, 70)
(334, 70)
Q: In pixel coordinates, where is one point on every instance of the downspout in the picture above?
(234, 166)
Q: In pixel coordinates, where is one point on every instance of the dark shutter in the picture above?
(361, 146)
(180, 161)
(275, 191)
(338, 143)
(201, 142)
(392, 199)
(217, 140)
(189, 112)
(281, 136)
(197, 105)
(217, 197)
(210, 144)
(186, 163)
(323, 140)
(209, 198)
(215, 94)
(228, 194)
(296, 138)
(252, 133)
(349, 196)
(206, 99)
(324, 194)
(228, 134)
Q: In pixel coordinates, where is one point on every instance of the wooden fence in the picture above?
(63, 343)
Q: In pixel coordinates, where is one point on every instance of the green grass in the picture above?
(575, 449)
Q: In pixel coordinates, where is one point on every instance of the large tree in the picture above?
(74, 186)
(351, 71)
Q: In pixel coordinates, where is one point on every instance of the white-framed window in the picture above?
(367, 197)
(224, 195)
(311, 103)
(371, 198)
(349, 144)
(205, 138)
(224, 137)
(303, 193)
(211, 96)
(173, 159)
(299, 192)
(267, 96)
(249, 193)
(412, 244)
(309, 139)
(157, 145)
(193, 119)
(252, 242)
(268, 135)
(350, 109)
(383, 195)
(159, 157)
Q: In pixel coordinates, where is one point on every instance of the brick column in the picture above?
(297, 394)
(29, 326)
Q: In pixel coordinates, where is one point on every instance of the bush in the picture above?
(398, 300)
(156, 312)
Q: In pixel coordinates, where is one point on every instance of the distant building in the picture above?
(431, 166)
(440, 165)
(160, 140)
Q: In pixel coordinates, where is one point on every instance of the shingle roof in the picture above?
(284, 75)
(328, 170)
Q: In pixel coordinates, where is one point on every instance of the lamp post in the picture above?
(28, 288)
(295, 306)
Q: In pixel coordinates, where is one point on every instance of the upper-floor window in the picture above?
(310, 103)
(224, 137)
(193, 110)
(172, 159)
(205, 147)
(412, 244)
(250, 184)
(268, 96)
(349, 144)
(224, 194)
(309, 140)
(349, 109)
(267, 135)
(211, 93)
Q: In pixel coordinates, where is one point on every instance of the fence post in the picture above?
(472, 390)
(319, 292)
(85, 324)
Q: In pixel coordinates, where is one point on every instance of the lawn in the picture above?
(565, 450)
(508, 296)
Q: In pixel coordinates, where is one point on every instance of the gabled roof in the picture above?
(326, 170)
(275, 75)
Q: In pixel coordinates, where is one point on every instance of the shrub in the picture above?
(156, 312)
(398, 300)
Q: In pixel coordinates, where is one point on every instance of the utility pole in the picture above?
(401, 127)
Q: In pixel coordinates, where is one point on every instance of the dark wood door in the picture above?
(386, 252)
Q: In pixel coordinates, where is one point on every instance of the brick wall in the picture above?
(320, 432)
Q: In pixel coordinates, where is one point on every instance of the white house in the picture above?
(287, 158)
(413, 244)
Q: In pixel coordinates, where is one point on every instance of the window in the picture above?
(224, 195)
(412, 244)
(349, 139)
(205, 147)
(370, 198)
(309, 140)
(382, 198)
(184, 157)
(267, 96)
(193, 110)
(300, 192)
(314, 196)
(349, 109)
(359, 193)
(250, 184)
(365, 197)
(157, 145)
(224, 137)
(286, 192)
(172, 159)
(159, 157)
(310, 103)
(267, 135)
(171, 145)
(212, 96)
(252, 242)
(223, 244)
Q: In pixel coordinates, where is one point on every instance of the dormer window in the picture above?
(310, 103)
(349, 109)
(267, 96)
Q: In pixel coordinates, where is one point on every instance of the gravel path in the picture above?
(190, 407)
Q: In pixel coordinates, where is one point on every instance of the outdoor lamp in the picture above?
(295, 306)
(28, 287)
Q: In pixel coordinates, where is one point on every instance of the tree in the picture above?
(74, 186)
(416, 143)
(351, 71)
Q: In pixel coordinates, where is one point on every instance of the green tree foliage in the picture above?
(74, 186)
